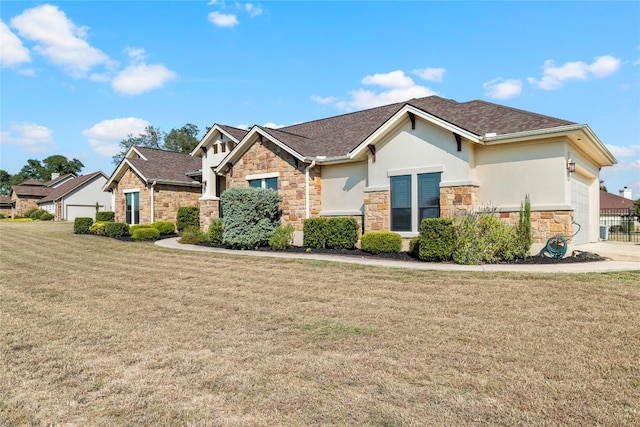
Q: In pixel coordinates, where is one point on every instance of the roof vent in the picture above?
(490, 134)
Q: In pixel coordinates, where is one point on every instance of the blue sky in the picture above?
(79, 76)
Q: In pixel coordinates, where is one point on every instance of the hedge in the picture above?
(81, 225)
(116, 229)
(107, 216)
(376, 242)
(437, 238)
(187, 216)
(164, 227)
(251, 215)
(46, 216)
(330, 233)
(148, 233)
(138, 226)
(98, 228)
(216, 229)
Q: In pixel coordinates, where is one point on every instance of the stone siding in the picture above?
(268, 158)
(377, 211)
(209, 209)
(23, 204)
(457, 201)
(544, 224)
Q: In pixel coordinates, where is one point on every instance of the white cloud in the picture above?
(59, 39)
(273, 125)
(105, 137)
(223, 20)
(554, 76)
(140, 78)
(396, 87)
(623, 151)
(430, 74)
(136, 54)
(253, 10)
(33, 138)
(503, 89)
(12, 52)
(243, 126)
(323, 100)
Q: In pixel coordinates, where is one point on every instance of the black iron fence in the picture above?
(619, 224)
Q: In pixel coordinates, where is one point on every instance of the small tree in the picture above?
(251, 216)
(525, 236)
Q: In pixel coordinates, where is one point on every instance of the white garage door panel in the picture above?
(75, 211)
(580, 203)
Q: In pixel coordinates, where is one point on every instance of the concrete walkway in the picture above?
(623, 257)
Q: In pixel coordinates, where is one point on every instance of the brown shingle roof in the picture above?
(336, 136)
(611, 201)
(5, 200)
(33, 182)
(162, 165)
(235, 132)
(30, 190)
(54, 181)
(69, 186)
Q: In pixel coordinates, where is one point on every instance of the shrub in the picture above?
(29, 213)
(192, 235)
(525, 236)
(98, 228)
(107, 216)
(164, 227)
(188, 216)
(377, 242)
(216, 229)
(484, 238)
(116, 229)
(251, 215)
(143, 234)
(282, 238)
(81, 225)
(2, 216)
(46, 216)
(331, 233)
(138, 226)
(414, 247)
(437, 237)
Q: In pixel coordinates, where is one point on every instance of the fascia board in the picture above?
(401, 115)
(131, 150)
(182, 183)
(120, 170)
(207, 138)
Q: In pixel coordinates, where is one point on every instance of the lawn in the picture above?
(95, 331)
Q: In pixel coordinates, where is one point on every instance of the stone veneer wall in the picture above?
(23, 204)
(457, 201)
(377, 211)
(209, 209)
(167, 199)
(544, 224)
(267, 158)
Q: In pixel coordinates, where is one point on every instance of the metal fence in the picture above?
(619, 224)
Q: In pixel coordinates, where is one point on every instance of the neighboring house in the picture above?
(616, 211)
(5, 206)
(66, 197)
(150, 184)
(394, 165)
(77, 197)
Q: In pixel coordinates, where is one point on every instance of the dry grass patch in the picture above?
(99, 332)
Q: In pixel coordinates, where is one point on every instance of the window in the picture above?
(133, 208)
(408, 206)
(271, 183)
(215, 148)
(428, 196)
(401, 203)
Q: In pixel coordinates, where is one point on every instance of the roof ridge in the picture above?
(287, 132)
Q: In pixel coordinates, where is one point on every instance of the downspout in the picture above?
(153, 184)
(306, 182)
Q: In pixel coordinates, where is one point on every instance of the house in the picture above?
(391, 166)
(150, 184)
(66, 196)
(77, 197)
(616, 212)
(5, 206)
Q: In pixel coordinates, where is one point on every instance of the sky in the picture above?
(77, 77)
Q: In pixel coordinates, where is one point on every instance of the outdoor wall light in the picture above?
(571, 166)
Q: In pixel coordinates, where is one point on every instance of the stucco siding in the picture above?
(343, 188)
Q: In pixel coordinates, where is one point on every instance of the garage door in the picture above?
(74, 211)
(580, 203)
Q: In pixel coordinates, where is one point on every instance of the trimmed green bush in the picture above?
(164, 227)
(192, 235)
(143, 234)
(251, 215)
(116, 229)
(377, 242)
(187, 216)
(330, 233)
(138, 226)
(81, 225)
(46, 216)
(216, 229)
(282, 238)
(437, 237)
(107, 216)
(98, 228)
(414, 247)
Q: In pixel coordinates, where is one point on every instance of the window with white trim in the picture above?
(271, 183)
(409, 207)
(133, 208)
